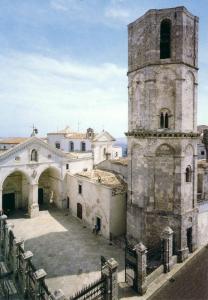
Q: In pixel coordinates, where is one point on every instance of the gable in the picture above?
(21, 154)
(104, 136)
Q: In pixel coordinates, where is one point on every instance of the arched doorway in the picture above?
(15, 192)
(49, 188)
(79, 210)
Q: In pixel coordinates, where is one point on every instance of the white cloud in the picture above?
(117, 13)
(53, 92)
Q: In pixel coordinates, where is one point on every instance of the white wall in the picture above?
(65, 142)
(97, 201)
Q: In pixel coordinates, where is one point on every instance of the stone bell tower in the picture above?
(162, 133)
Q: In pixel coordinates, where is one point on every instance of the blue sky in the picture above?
(65, 61)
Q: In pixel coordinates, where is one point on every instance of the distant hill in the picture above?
(122, 142)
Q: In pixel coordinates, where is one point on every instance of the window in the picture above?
(57, 144)
(202, 152)
(80, 189)
(71, 146)
(165, 39)
(164, 119)
(188, 174)
(67, 166)
(83, 146)
(34, 155)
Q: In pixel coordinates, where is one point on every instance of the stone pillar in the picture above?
(8, 227)
(2, 224)
(23, 279)
(39, 277)
(110, 272)
(167, 251)
(16, 244)
(141, 252)
(33, 201)
(1, 204)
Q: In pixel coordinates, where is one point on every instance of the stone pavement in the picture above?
(68, 251)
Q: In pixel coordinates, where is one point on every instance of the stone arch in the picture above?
(164, 170)
(12, 171)
(50, 189)
(165, 149)
(15, 190)
(189, 150)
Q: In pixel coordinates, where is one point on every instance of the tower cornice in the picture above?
(161, 134)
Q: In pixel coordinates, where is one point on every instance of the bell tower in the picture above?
(162, 133)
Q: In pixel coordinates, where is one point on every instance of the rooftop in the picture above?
(120, 161)
(13, 140)
(103, 177)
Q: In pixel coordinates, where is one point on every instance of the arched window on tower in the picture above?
(161, 120)
(165, 39)
(188, 174)
(164, 118)
(34, 155)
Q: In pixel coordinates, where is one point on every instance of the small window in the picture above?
(188, 174)
(71, 146)
(202, 152)
(164, 119)
(165, 39)
(83, 146)
(67, 166)
(57, 144)
(34, 155)
(80, 189)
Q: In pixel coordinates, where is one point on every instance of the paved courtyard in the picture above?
(68, 251)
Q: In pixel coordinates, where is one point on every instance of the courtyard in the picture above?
(67, 250)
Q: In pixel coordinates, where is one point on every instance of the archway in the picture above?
(49, 188)
(15, 192)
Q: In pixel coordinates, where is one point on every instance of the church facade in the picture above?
(162, 130)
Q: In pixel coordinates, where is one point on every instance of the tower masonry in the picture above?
(162, 133)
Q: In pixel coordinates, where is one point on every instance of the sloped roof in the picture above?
(98, 137)
(13, 140)
(103, 177)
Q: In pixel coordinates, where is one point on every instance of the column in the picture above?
(110, 272)
(141, 251)
(1, 204)
(23, 275)
(39, 277)
(17, 242)
(167, 240)
(33, 200)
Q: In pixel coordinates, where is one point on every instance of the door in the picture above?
(189, 239)
(40, 196)
(79, 210)
(8, 202)
(98, 224)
